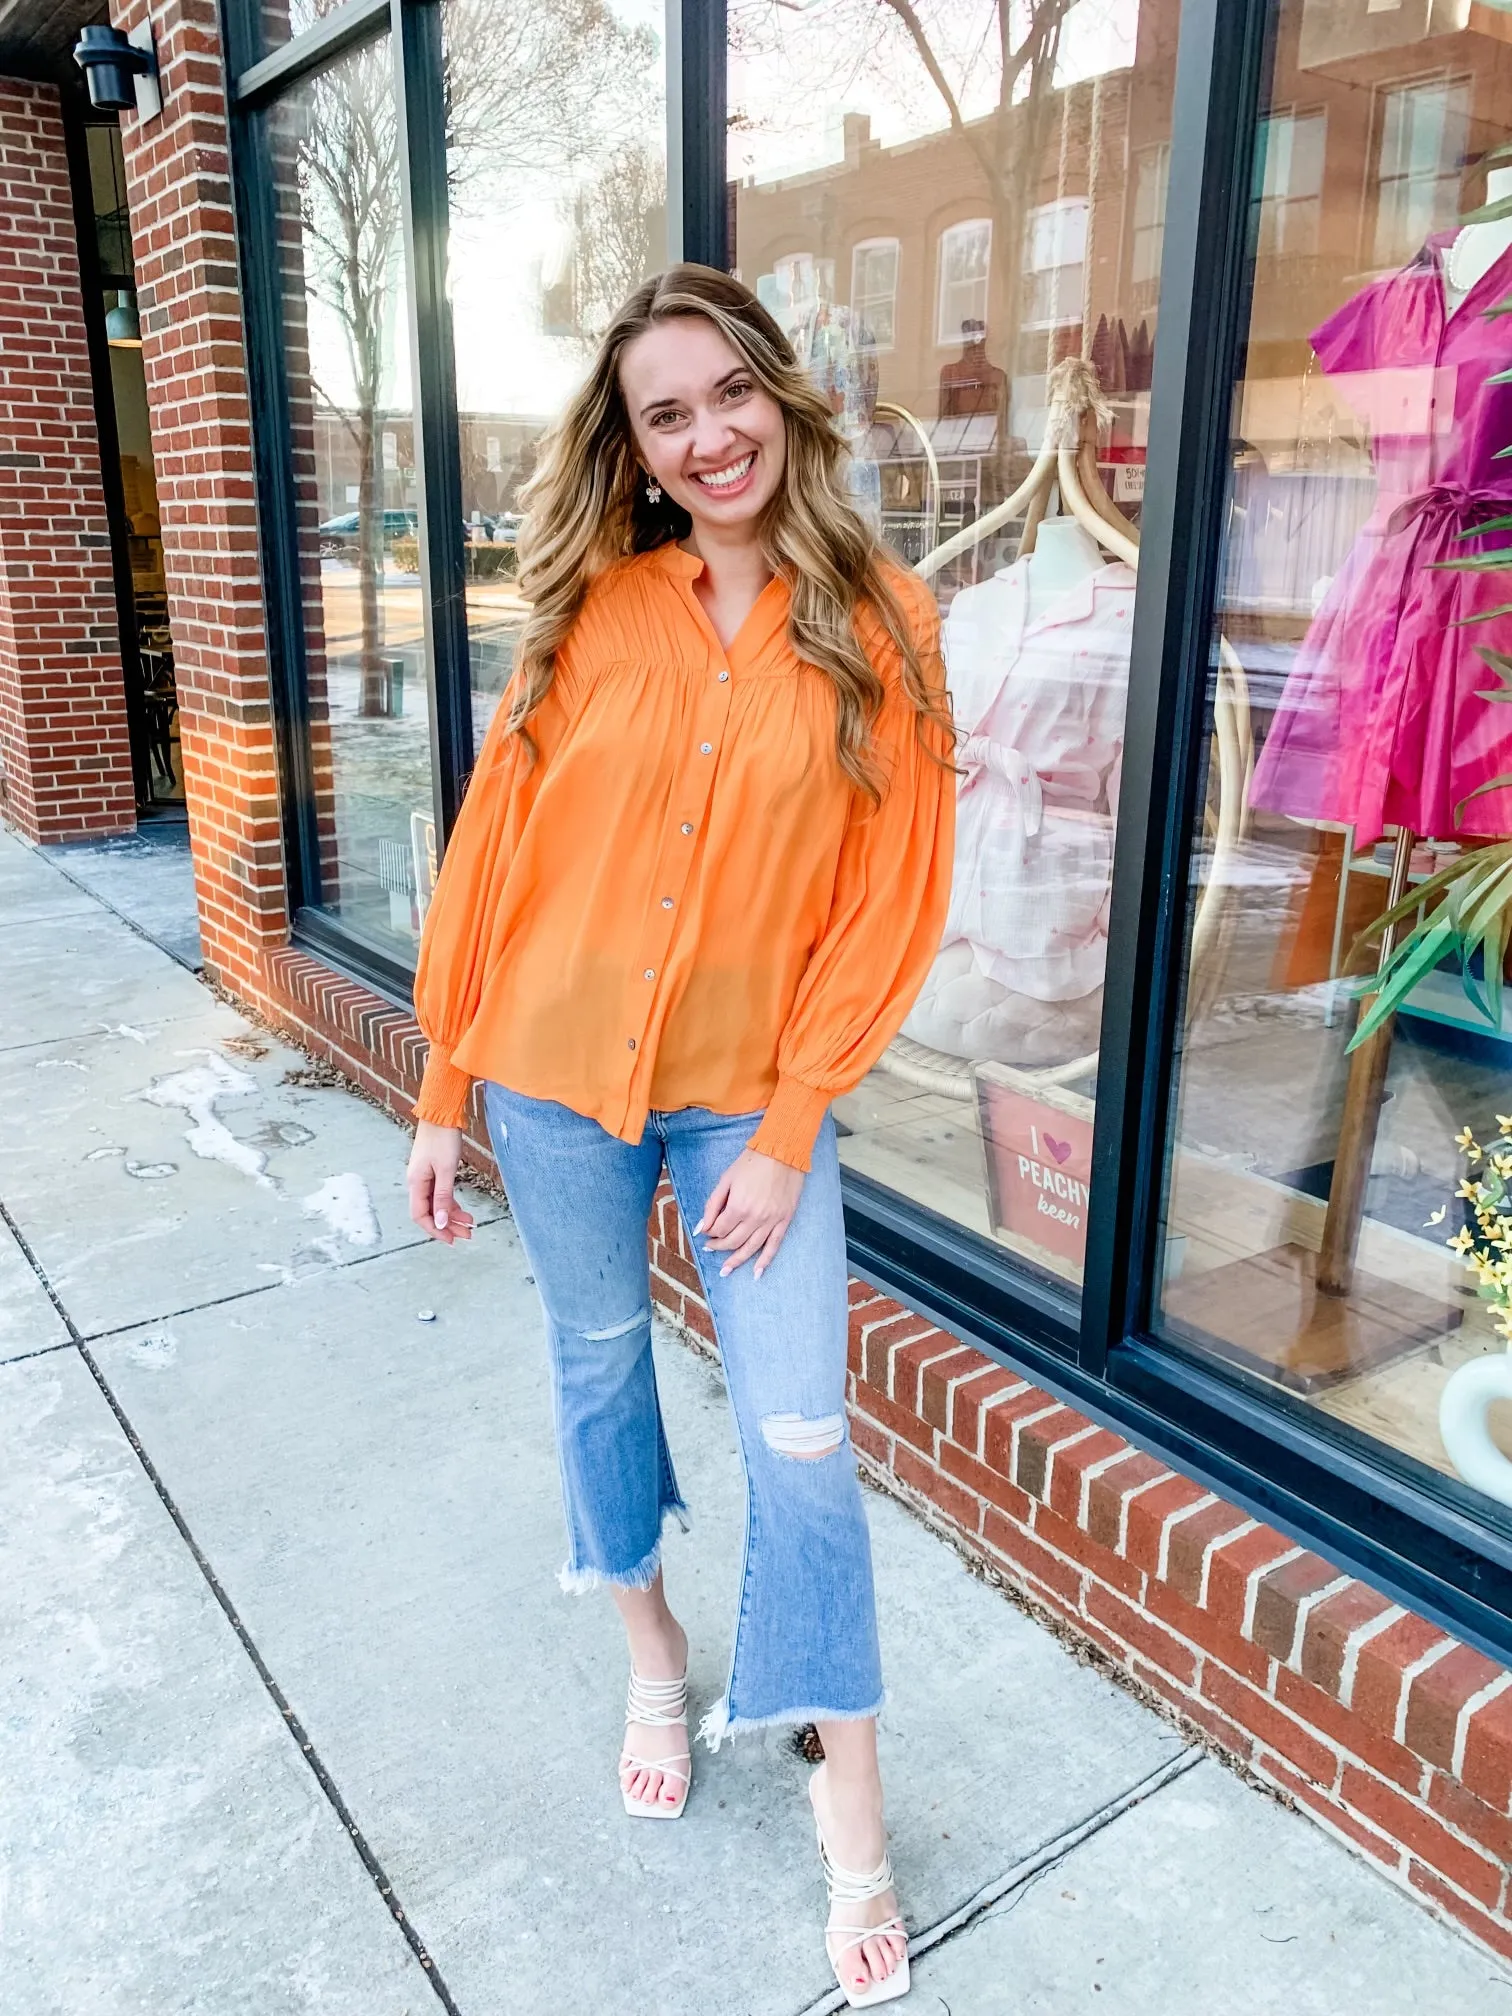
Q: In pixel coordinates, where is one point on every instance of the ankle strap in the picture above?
(659, 1704)
(849, 1886)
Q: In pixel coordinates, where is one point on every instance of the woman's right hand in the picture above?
(432, 1177)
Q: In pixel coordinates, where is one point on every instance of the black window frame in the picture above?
(1261, 1449)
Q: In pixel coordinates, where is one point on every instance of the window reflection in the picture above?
(333, 141)
(278, 21)
(956, 210)
(1317, 1175)
(557, 164)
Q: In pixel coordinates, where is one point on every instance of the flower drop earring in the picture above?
(653, 490)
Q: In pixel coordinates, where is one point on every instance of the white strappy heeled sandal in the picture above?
(659, 1704)
(848, 1886)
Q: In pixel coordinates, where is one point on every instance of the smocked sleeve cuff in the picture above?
(444, 1090)
(790, 1123)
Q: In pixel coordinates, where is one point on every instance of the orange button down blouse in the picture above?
(684, 901)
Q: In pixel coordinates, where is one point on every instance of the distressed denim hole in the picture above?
(794, 1435)
(634, 1322)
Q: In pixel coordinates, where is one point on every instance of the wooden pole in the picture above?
(1362, 1115)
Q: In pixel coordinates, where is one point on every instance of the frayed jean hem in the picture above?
(578, 1581)
(720, 1723)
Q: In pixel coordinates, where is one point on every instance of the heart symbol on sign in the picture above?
(1059, 1149)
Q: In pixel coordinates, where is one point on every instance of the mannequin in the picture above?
(963, 1012)
(1384, 723)
(1064, 553)
(1037, 657)
(1467, 1398)
(1477, 248)
(1466, 261)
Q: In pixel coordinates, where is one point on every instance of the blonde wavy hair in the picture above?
(586, 508)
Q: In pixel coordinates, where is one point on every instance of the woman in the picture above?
(699, 876)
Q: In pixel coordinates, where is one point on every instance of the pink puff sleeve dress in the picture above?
(1381, 721)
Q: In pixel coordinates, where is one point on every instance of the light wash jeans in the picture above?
(806, 1635)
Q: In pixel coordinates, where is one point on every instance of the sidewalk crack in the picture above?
(1038, 1862)
(259, 1288)
(291, 1721)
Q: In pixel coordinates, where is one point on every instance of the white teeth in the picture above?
(723, 478)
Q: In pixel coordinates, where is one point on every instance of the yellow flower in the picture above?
(1504, 1121)
(1469, 1190)
(1438, 1217)
(1464, 1138)
(1462, 1241)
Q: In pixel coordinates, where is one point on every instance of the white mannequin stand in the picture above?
(1478, 247)
(1064, 554)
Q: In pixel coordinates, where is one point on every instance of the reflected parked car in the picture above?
(492, 528)
(338, 536)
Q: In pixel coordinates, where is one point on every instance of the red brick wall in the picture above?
(179, 195)
(63, 737)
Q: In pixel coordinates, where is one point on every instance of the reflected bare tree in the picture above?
(531, 86)
(618, 236)
(1008, 145)
(945, 48)
(348, 173)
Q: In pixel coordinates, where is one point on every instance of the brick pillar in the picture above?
(64, 746)
(179, 195)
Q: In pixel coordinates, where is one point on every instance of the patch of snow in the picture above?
(347, 1208)
(60, 1064)
(103, 1154)
(196, 1093)
(126, 1029)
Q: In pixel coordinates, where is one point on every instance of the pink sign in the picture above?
(1039, 1162)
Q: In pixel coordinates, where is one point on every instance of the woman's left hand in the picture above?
(750, 1209)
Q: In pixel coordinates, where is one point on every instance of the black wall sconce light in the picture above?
(120, 70)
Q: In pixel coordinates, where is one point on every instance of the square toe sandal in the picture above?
(658, 1704)
(849, 1886)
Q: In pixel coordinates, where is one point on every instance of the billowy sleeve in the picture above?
(892, 891)
(457, 949)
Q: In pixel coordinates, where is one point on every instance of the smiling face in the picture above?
(705, 428)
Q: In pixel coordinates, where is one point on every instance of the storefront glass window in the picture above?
(333, 140)
(558, 186)
(956, 210)
(1353, 854)
(278, 21)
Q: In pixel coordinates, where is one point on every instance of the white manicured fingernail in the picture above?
(441, 1218)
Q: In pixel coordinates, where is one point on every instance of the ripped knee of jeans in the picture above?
(797, 1436)
(641, 1317)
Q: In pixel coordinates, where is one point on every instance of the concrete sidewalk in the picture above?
(294, 1717)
